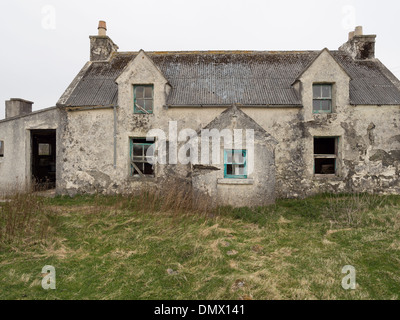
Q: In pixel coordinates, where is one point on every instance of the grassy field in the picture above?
(119, 248)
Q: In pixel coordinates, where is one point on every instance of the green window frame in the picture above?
(322, 98)
(141, 151)
(235, 163)
(143, 96)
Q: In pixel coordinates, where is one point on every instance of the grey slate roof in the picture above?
(224, 78)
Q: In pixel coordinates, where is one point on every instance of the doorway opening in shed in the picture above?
(43, 146)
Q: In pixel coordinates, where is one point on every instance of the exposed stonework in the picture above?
(101, 46)
(360, 46)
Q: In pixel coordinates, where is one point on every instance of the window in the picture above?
(143, 99)
(235, 164)
(44, 149)
(1, 149)
(325, 155)
(142, 157)
(322, 98)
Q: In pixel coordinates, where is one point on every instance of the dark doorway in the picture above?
(44, 159)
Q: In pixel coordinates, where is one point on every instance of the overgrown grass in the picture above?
(340, 210)
(150, 247)
(23, 220)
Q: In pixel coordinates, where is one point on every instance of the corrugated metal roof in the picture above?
(225, 78)
(369, 85)
(97, 87)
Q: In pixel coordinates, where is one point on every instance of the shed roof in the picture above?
(249, 78)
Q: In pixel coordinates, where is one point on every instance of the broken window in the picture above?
(322, 98)
(142, 157)
(235, 164)
(1, 149)
(325, 155)
(143, 99)
(44, 149)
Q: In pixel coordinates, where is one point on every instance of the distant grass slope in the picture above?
(113, 248)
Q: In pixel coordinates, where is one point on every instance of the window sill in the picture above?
(324, 115)
(246, 182)
(326, 176)
(138, 178)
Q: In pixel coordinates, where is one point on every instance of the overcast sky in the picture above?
(46, 43)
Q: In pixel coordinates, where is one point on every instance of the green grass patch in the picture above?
(111, 248)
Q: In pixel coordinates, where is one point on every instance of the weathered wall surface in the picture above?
(286, 127)
(88, 156)
(15, 166)
(368, 153)
(370, 149)
(258, 188)
(368, 159)
(362, 132)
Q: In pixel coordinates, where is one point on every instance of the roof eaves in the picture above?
(388, 74)
(229, 105)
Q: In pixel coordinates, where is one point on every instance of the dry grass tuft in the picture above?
(351, 210)
(23, 220)
(178, 198)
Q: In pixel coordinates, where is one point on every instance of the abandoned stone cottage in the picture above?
(322, 121)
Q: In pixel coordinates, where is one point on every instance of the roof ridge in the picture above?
(222, 52)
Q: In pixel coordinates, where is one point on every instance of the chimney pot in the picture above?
(351, 35)
(101, 46)
(102, 28)
(358, 31)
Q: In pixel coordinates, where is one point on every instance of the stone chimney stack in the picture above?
(360, 46)
(101, 46)
(18, 107)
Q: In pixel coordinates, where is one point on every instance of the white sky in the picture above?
(44, 44)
